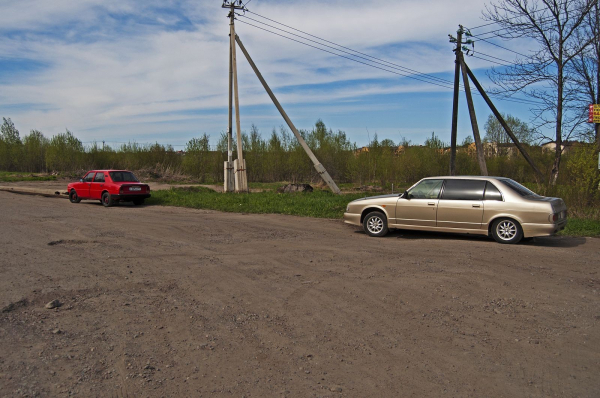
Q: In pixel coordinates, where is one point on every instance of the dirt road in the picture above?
(163, 301)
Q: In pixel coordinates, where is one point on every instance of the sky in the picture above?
(157, 70)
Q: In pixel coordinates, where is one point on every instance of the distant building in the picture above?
(565, 147)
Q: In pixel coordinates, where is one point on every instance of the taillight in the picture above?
(553, 217)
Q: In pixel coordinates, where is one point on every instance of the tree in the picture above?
(10, 146)
(585, 69)
(544, 74)
(434, 142)
(34, 151)
(494, 132)
(468, 140)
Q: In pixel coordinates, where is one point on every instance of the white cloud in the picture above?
(116, 76)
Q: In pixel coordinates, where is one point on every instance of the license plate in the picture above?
(135, 188)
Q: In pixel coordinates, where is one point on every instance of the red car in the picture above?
(109, 187)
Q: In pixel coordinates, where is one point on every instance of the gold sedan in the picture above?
(494, 206)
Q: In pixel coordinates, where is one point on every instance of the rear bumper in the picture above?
(130, 197)
(533, 230)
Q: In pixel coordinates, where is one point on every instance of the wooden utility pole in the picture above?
(318, 166)
(454, 132)
(239, 165)
(502, 122)
(476, 136)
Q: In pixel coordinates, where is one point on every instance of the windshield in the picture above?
(122, 176)
(518, 188)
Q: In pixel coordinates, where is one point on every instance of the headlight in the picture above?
(347, 208)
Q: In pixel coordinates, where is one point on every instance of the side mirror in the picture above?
(406, 195)
(81, 180)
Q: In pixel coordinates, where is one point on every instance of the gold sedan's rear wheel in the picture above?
(506, 230)
(375, 224)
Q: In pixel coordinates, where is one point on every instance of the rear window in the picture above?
(518, 188)
(491, 192)
(463, 190)
(123, 176)
(99, 177)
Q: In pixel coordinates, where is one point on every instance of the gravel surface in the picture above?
(157, 301)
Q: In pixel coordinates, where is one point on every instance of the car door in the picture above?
(97, 186)
(419, 207)
(83, 187)
(461, 204)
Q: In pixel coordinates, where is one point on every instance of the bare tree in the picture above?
(585, 69)
(543, 76)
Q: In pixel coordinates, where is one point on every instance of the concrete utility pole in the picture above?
(476, 136)
(503, 123)
(318, 166)
(453, 134)
(239, 165)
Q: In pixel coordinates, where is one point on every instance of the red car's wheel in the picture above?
(107, 200)
(73, 197)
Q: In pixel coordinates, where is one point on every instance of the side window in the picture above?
(89, 177)
(427, 189)
(492, 193)
(463, 190)
(99, 177)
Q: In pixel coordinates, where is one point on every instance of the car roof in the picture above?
(466, 177)
(108, 170)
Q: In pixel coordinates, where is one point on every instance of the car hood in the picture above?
(377, 197)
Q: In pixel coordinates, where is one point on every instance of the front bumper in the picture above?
(352, 218)
(130, 197)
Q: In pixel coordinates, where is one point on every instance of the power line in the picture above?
(504, 48)
(367, 57)
(493, 57)
(426, 75)
(490, 60)
(517, 100)
(349, 58)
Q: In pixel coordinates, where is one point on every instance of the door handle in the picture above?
(431, 203)
(476, 206)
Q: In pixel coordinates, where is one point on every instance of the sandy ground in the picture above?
(161, 302)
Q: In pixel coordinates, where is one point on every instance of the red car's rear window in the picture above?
(123, 176)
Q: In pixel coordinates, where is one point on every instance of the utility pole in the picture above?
(476, 136)
(318, 166)
(503, 123)
(453, 134)
(460, 65)
(239, 165)
(228, 181)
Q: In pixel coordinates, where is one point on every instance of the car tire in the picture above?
(375, 224)
(138, 202)
(107, 200)
(506, 230)
(73, 197)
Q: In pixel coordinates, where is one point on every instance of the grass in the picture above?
(7, 176)
(319, 204)
(581, 227)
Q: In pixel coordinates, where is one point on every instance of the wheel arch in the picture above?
(369, 209)
(500, 216)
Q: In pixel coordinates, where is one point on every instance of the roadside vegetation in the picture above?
(6, 176)
(377, 167)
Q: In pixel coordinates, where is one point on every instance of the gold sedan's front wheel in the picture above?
(375, 224)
